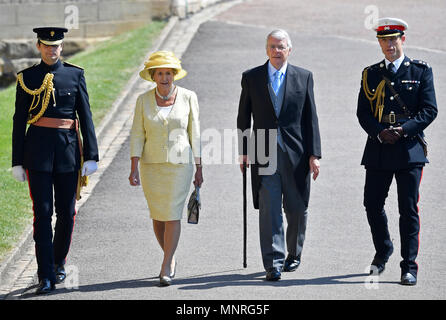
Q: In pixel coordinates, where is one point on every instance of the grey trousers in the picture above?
(274, 188)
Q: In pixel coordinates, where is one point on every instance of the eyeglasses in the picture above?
(279, 48)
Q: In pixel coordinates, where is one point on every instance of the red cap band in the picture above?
(391, 27)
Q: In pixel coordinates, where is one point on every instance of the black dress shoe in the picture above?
(45, 286)
(273, 275)
(408, 279)
(60, 274)
(377, 267)
(291, 263)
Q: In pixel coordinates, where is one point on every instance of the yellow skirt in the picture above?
(166, 187)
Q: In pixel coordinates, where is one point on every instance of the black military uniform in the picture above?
(50, 150)
(410, 106)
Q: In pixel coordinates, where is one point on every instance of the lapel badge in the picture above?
(382, 65)
(407, 63)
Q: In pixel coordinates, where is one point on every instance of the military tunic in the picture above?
(403, 160)
(48, 149)
(414, 83)
(51, 156)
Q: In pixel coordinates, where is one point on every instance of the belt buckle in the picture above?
(392, 117)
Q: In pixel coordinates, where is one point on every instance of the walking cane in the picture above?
(244, 215)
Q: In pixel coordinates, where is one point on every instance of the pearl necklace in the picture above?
(165, 98)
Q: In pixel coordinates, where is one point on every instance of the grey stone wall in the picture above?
(93, 18)
(182, 8)
(86, 20)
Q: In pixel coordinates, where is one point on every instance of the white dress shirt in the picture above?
(396, 63)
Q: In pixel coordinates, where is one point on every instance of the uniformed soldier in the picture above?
(52, 98)
(396, 103)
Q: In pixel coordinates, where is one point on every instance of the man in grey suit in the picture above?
(279, 98)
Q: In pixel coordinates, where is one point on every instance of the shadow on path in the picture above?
(233, 278)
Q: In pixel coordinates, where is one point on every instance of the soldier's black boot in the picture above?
(45, 286)
(60, 273)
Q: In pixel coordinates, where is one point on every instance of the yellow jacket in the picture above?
(175, 139)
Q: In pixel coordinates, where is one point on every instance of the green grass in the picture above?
(108, 67)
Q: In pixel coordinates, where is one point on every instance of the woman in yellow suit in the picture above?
(165, 144)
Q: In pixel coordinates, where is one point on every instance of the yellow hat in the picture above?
(162, 59)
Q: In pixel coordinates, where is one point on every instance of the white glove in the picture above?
(89, 167)
(19, 173)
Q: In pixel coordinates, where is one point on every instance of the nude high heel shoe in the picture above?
(165, 281)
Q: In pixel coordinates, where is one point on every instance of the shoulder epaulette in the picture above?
(420, 62)
(72, 65)
(27, 68)
(375, 66)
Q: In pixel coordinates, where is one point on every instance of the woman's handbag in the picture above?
(193, 206)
